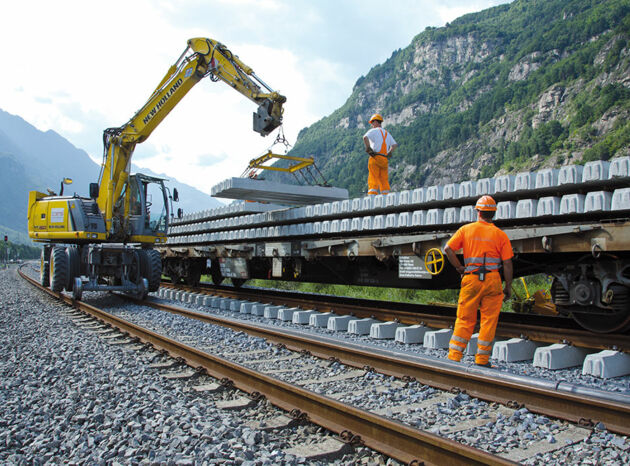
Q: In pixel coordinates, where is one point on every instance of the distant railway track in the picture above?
(535, 327)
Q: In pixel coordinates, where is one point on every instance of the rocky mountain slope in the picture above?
(530, 84)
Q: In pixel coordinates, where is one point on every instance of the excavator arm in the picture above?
(202, 57)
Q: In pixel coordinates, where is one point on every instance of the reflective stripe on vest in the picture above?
(484, 343)
(473, 263)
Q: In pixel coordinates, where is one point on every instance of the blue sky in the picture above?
(78, 67)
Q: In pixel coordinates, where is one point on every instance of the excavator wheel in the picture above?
(58, 268)
(44, 267)
(74, 266)
(151, 267)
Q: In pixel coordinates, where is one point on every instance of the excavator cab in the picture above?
(148, 206)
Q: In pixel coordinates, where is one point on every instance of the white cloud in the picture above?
(78, 67)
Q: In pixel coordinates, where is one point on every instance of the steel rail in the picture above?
(484, 384)
(509, 324)
(392, 438)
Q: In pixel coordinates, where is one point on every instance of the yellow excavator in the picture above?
(105, 242)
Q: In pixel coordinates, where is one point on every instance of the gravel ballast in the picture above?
(68, 396)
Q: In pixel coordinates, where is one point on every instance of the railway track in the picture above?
(393, 438)
(511, 325)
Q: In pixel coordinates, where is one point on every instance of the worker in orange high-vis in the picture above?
(379, 144)
(485, 249)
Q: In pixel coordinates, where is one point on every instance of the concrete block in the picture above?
(207, 300)
(570, 174)
(405, 197)
(320, 319)
(597, 201)
(524, 181)
(177, 295)
(367, 203)
(506, 210)
(356, 204)
(484, 186)
(403, 219)
(271, 312)
(317, 228)
(620, 199)
(412, 334)
(199, 299)
(435, 217)
(345, 206)
(417, 195)
(184, 297)
(285, 314)
(451, 215)
(467, 214)
(451, 191)
(434, 193)
(334, 226)
(379, 201)
(526, 208)
(504, 184)
(335, 208)
(572, 204)
(471, 347)
(302, 317)
(366, 224)
(270, 191)
(619, 167)
(546, 178)
(344, 225)
(607, 364)
(418, 218)
(595, 170)
(384, 330)
(559, 356)
(379, 222)
(467, 189)
(355, 224)
(258, 309)
(549, 205)
(391, 221)
(391, 200)
(514, 349)
(235, 305)
(326, 208)
(246, 307)
(339, 323)
(438, 338)
(361, 326)
(225, 304)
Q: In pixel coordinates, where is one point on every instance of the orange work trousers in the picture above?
(378, 178)
(487, 297)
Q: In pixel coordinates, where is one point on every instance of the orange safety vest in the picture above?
(483, 244)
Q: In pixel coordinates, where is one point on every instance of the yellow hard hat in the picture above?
(486, 204)
(376, 116)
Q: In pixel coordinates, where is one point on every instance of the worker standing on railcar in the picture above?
(485, 248)
(379, 144)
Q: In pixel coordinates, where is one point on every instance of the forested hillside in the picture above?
(530, 84)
